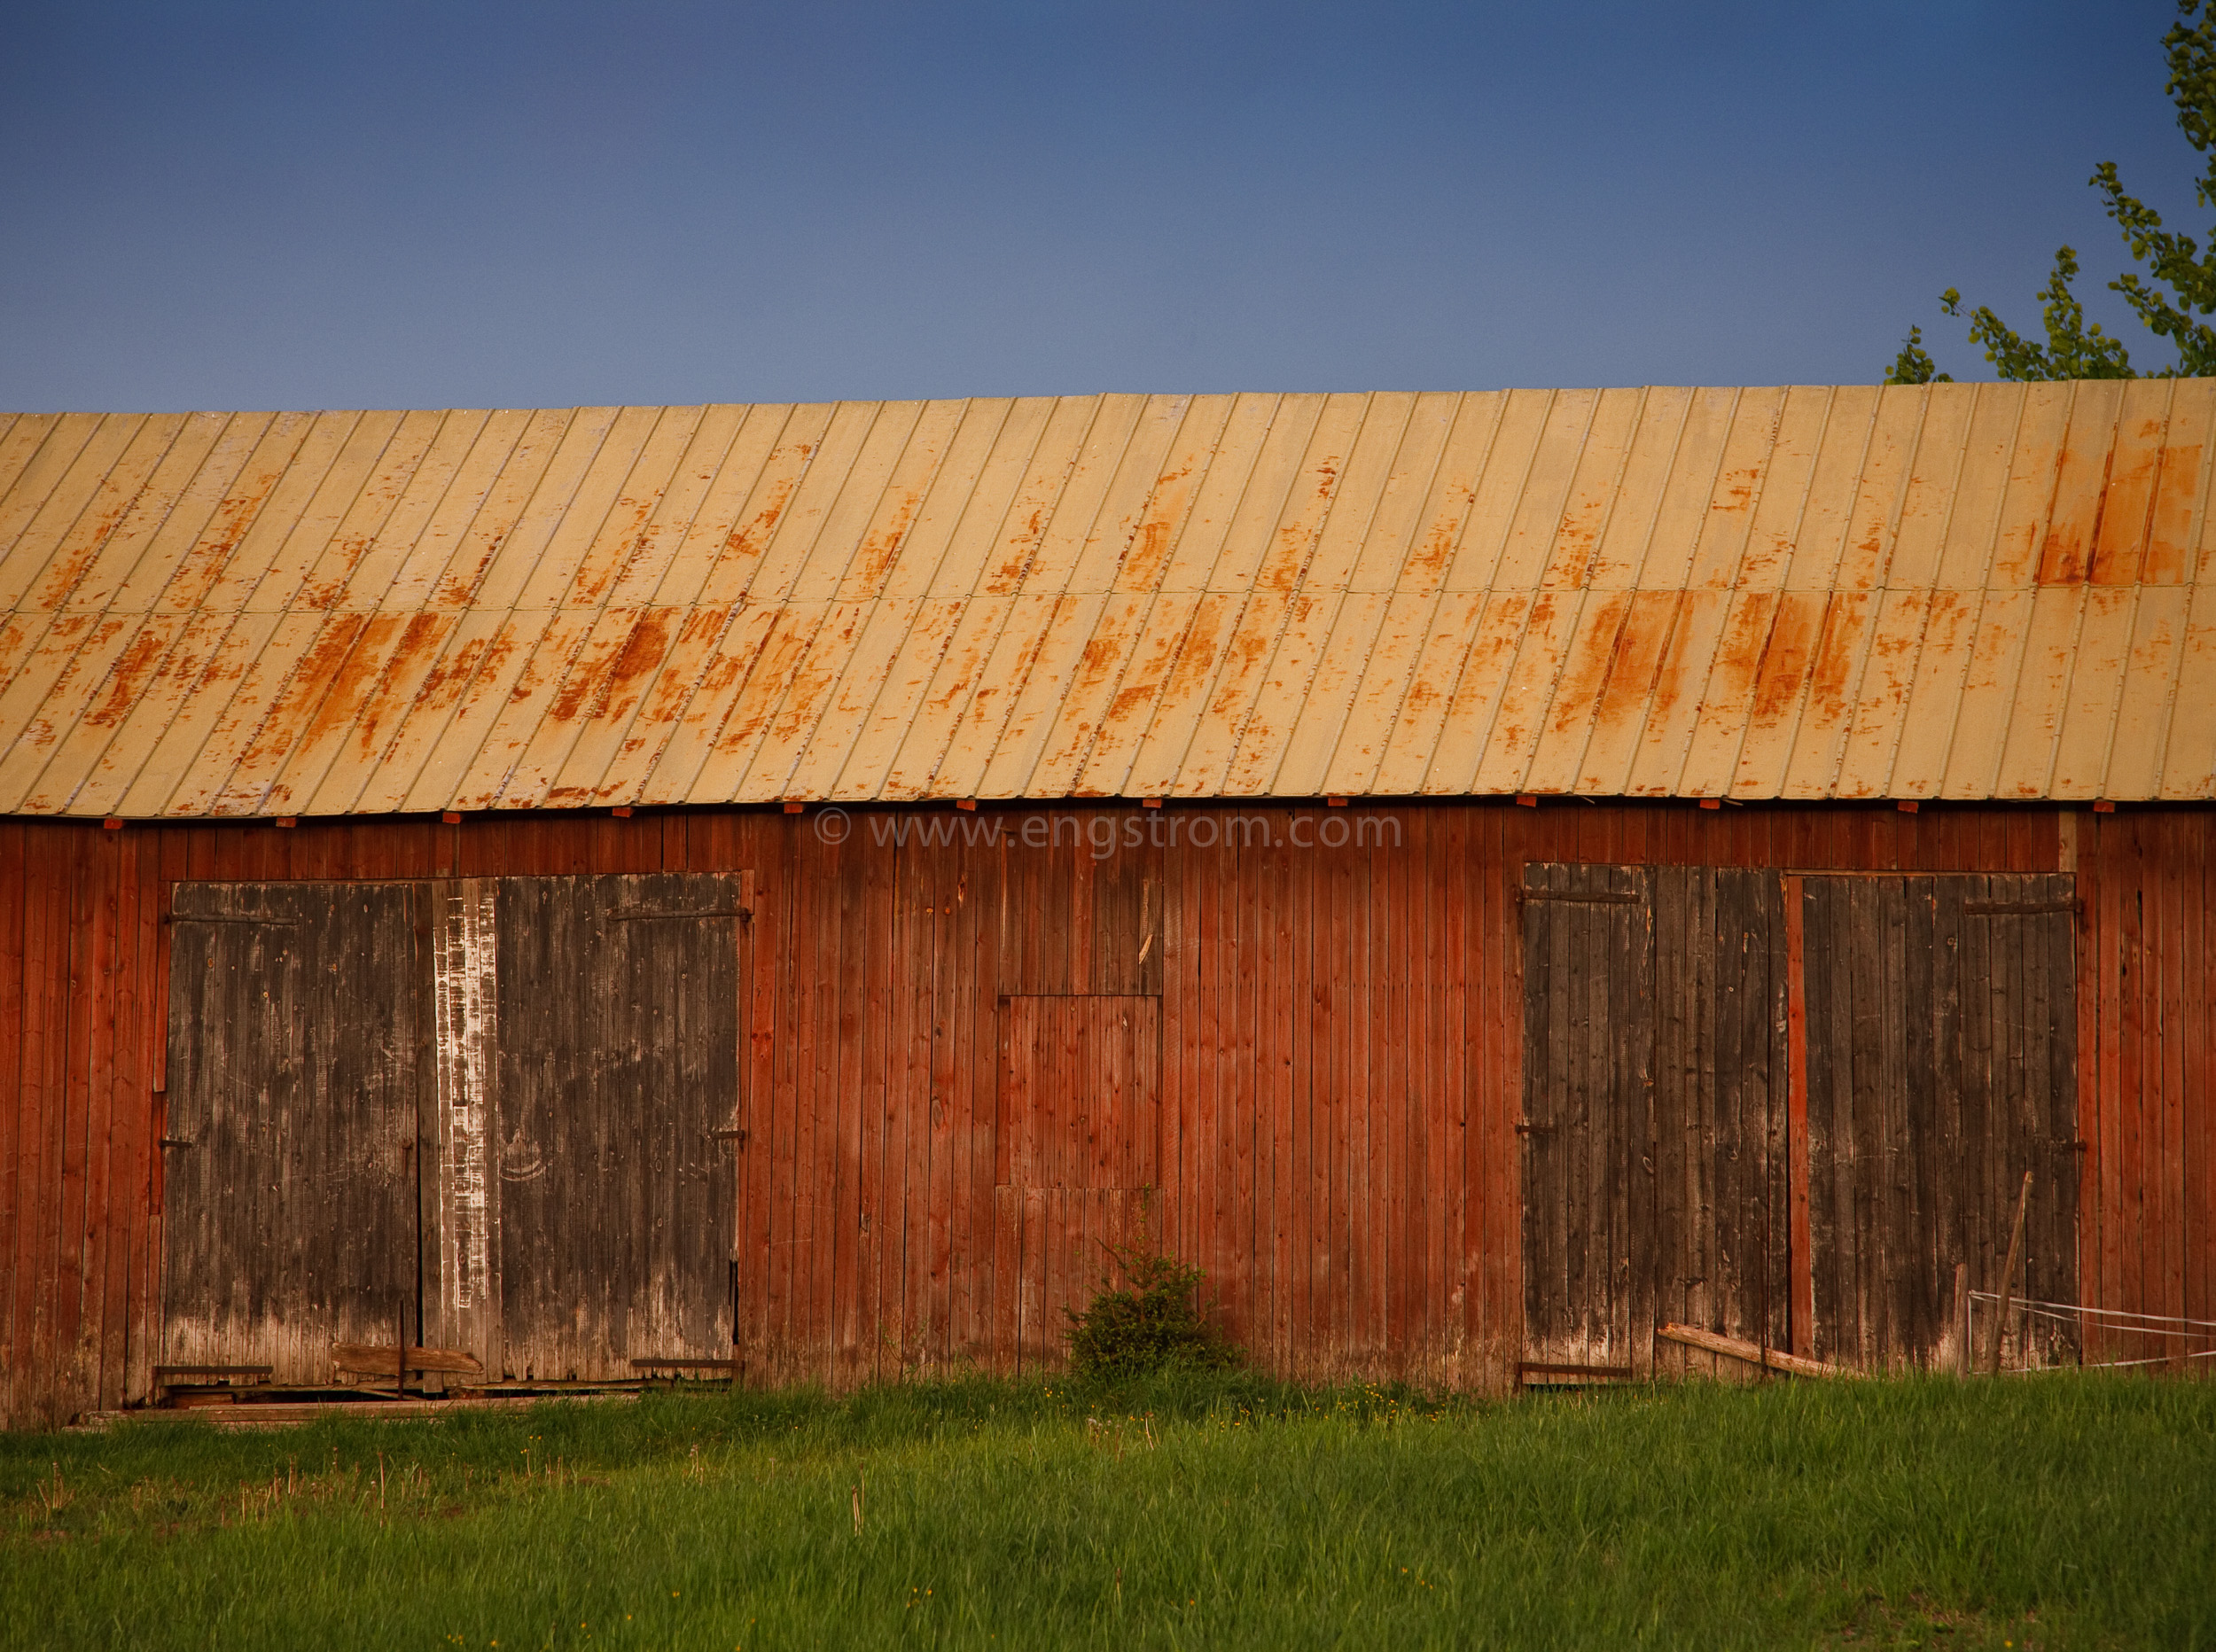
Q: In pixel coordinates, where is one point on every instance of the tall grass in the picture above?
(1203, 1512)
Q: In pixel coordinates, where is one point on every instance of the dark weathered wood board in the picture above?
(291, 1179)
(618, 1117)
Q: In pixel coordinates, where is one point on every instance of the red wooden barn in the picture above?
(777, 890)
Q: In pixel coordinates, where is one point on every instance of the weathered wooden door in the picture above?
(289, 1204)
(1782, 1108)
(498, 1116)
(617, 1115)
(1940, 1030)
(1078, 1153)
(1716, 1151)
(1588, 1041)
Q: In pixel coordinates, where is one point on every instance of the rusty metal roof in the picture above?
(1951, 591)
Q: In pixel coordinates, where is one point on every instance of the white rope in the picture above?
(2077, 1311)
(2107, 1365)
(2072, 1316)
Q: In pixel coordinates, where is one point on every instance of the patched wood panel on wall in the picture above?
(1079, 1148)
(495, 1117)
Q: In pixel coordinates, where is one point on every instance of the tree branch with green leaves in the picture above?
(2074, 347)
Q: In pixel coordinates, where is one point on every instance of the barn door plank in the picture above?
(1780, 1279)
(460, 1184)
(1748, 1009)
(1946, 1118)
(1715, 1246)
(1827, 1112)
(1731, 1090)
(1928, 1283)
(1676, 1166)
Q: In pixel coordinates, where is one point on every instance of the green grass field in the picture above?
(1233, 1512)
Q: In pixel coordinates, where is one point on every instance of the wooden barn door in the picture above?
(496, 1117)
(289, 1219)
(1717, 1153)
(1782, 1108)
(617, 1117)
(1938, 1025)
(1588, 1041)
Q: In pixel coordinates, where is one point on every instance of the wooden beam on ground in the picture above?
(1753, 1353)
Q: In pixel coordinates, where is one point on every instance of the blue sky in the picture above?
(330, 205)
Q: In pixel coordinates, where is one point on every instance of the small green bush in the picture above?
(1153, 1324)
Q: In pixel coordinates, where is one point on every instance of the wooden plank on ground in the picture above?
(1753, 1353)
(381, 1358)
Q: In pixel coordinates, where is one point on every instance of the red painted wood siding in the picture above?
(1339, 1072)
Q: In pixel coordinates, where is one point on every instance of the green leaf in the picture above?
(2178, 281)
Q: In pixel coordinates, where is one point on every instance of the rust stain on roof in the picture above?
(303, 572)
(2169, 556)
(419, 639)
(1735, 490)
(881, 549)
(1635, 659)
(1584, 674)
(1434, 550)
(1785, 656)
(1143, 558)
(128, 678)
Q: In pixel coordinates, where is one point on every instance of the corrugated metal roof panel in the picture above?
(1960, 590)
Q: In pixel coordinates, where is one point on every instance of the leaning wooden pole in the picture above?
(1753, 1353)
(2008, 1280)
(1965, 1349)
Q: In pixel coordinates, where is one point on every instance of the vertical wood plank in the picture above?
(930, 1174)
(1678, 1276)
(132, 1102)
(20, 1193)
(1823, 1080)
(460, 1163)
(1928, 1259)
